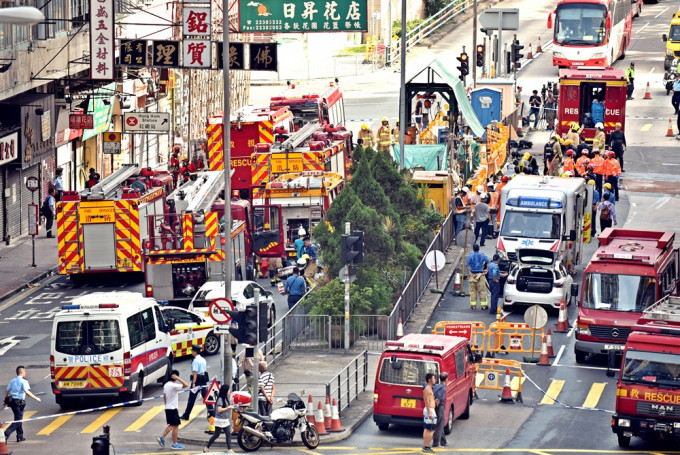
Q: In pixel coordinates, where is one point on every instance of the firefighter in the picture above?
(574, 133)
(600, 139)
(274, 265)
(366, 135)
(598, 168)
(384, 140)
(612, 171)
(554, 169)
(525, 165)
(395, 133)
(568, 165)
(581, 162)
(191, 166)
(630, 77)
(548, 153)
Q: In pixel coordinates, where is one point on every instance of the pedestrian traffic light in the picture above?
(464, 67)
(352, 248)
(515, 49)
(481, 54)
(244, 325)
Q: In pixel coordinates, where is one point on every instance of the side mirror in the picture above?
(611, 363)
(574, 290)
(664, 37)
(170, 324)
(572, 235)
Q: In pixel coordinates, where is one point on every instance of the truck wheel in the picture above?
(383, 426)
(580, 356)
(138, 394)
(624, 441)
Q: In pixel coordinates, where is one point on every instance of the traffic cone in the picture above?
(530, 55)
(538, 47)
(544, 359)
(310, 411)
(327, 414)
(3, 442)
(562, 324)
(506, 394)
(669, 131)
(320, 427)
(336, 426)
(551, 353)
(648, 96)
(519, 128)
(400, 329)
(211, 425)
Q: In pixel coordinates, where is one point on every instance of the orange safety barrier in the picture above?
(491, 376)
(477, 335)
(513, 337)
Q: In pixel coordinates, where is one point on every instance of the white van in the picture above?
(109, 344)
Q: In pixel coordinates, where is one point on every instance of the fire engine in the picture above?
(103, 228)
(304, 199)
(327, 107)
(250, 126)
(312, 148)
(578, 89)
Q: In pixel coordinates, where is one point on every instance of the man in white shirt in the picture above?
(171, 399)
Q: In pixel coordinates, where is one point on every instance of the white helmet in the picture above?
(480, 188)
(302, 262)
(599, 126)
(302, 231)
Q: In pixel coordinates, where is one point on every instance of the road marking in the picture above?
(559, 356)
(29, 414)
(662, 11)
(194, 413)
(642, 28)
(6, 344)
(145, 418)
(56, 423)
(101, 420)
(646, 127)
(573, 327)
(553, 391)
(29, 291)
(594, 394)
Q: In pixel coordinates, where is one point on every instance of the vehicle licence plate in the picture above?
(613, 347)
(71, 384)
(408, 403)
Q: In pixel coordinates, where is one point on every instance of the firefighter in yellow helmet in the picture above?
(574, 133)
(366, 136)
(384, 139)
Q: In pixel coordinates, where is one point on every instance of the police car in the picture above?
(191, 328)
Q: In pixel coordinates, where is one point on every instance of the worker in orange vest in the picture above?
(494, 205)
(582, 162)
(568, 165)
(612, 171)
(598, 168)
(462, 209)
(499, 188)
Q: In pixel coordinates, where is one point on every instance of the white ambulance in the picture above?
(109, 344)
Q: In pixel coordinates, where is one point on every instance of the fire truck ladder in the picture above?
(206, 190)
(107, 187)
(300, 136)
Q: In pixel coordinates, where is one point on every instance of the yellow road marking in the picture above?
(101, 420)
(552, 392)
(194, 413)
(594, 394)
(145, 418)
(646, 127)
(29, 414)
(54, 425)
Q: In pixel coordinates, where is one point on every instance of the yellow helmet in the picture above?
(567, 142)
(591, 182)
(384, 119)
(364, 127)
(565, 175)
(527, 156)
(304, 256)
(574, 126)
(608, 186)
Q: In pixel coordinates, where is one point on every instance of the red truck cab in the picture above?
(629, 272)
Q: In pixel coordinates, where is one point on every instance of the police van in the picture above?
(109, 344)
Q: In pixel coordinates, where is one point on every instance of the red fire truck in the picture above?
(325, 106)
(579, 88)
(648, 389)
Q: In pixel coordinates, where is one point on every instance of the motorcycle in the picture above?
(669, 76)
(279, 428)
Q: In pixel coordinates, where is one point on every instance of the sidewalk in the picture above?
(16, 259)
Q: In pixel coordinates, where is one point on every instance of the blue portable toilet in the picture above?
(487, 105)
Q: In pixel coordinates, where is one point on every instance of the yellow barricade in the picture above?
(477, 331)
(513, 337)
(491, 376)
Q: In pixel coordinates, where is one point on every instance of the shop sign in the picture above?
(133, 53)
(197, 53)
(9, 148)
(196, 21)
(101, 110)
(165, 53)
(237, 59)
(303, 16)
(102, 40)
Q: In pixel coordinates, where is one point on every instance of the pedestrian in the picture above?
(607, 191)
(49, 211)
(596, 203)
(617, 142)
(15, 399)
(171, 399)
(384, 139)
(477, 285)
(482, 216)
(462, 211)
(429, 413)
(58, 183)
(439, 391)
(494, 275)
(630, 77)
(299, 243)
(266, 390)
(248, 364)
(366, 135)
(550, 109)
(518, 99)
(494, 199)
(199, 381)
(222, 422)
(295, 287)
(607, 213)
(309, 250)
(534, 108)
(676, 94)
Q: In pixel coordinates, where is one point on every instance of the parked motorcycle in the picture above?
(279, 428)
(669, 76)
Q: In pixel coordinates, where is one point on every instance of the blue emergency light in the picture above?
(92, 306)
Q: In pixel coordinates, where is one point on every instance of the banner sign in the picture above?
(297, 16)
(165, 53)
(197, 53)
(133, 53)
(102, 40)
(196, 21)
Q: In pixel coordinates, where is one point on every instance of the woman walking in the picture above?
(222, 423)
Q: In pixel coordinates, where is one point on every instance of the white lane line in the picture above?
(662, 11)
(573, 327)
(643, 27)
(559, 355)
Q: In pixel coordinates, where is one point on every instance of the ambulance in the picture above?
(109, 344)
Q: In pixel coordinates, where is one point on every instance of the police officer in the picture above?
(630, 77)
(494, 275)
(676, 93)
(477, 284)
(15, 398)
(199, 379)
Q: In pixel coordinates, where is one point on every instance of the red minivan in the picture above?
(399, 381)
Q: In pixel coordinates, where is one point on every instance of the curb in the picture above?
(18, 289)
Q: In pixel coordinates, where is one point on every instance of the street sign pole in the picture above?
(347, 231)
(474, 48)
(255, 377)
(402, 113)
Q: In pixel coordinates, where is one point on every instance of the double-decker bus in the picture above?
(590, 32)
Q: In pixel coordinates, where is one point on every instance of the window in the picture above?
(88, 337)
(136, 330)
(651, 368)
(149, 324)
(531, 225)
(181, 317)
(54, 11)
(612, 292)
(407, 372)
(79, 10)
(459, 357)
(248, 292)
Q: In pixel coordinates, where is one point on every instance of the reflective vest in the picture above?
(580, 166)
(599, 140)
(630, 74)
(395, 134)
(384, 136)
(611, 167)
(568, 165)
(463, 208)
(493, 204)
(598, 164)
(367, 137)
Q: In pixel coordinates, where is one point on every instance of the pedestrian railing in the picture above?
(352, 380)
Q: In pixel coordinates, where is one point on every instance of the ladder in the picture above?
(299, 137)
(107, 187)
(200, 194)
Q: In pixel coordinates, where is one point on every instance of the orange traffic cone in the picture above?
(336, 426)
(310, 411)
(551, 353)
(648, 95)
(562, 324)
(538, 47)
(530, 55)
(400, 329)
(506, 394)
(3, 442)
(320, 427)
(519, 128)
(327, 414)
(544, 359)
(669, 132)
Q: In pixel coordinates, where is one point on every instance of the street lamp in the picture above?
(21, 15)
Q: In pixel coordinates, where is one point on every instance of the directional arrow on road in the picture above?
(6, 344)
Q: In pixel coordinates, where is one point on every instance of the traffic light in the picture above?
(263, 321)
(515, 49)
(244, 325)
(464, 67)
(352, 248)
(481, 55)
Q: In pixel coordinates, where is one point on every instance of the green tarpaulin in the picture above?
(431, 157)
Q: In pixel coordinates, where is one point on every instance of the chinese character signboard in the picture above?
(197, 53)
(166, 53)
(102, 42)
(81, 121)
(133, 53)
(9, 148)
(237, 58)
(196, 21)
(296, 16)
(263, 57)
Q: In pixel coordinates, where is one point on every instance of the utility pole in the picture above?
(255, 377)
(474, 43)
(402, 100)
(347, 289)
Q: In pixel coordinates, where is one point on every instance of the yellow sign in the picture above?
(151, 196)
(111, 137)
(94, 215)
(291, 163)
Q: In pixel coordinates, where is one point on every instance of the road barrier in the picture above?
(512, 337)
(477, 334)
(493, 370)
(346, 386)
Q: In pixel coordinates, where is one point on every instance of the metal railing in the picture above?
(367, 331)
(418, 283)
(429, 26)
(350, 382)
